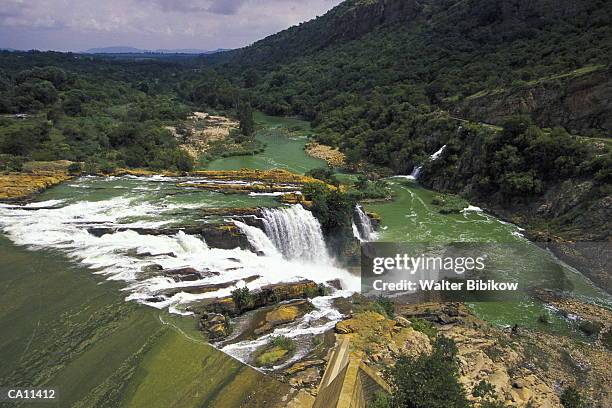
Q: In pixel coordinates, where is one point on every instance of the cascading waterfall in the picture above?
(363, 229)
(296, 233)
(257, 238)
(416, 172)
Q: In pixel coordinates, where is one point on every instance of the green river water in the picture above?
(68, 328)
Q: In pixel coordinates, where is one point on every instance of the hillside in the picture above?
(389, 82)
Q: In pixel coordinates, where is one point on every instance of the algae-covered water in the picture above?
(75, 310)
(411, 217)
(284, 138)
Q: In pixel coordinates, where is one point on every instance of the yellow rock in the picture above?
(17, 186)
(331, 155)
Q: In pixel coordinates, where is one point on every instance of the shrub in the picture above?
(385, 306)
(571, 398)
(429, 380)
(284, 343)
(325, 174)
(424, 327)
(320, 290)
(75, 168)
(380, 400)
(243, 298)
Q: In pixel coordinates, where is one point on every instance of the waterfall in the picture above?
(356, 232)
(416, 172)
(437, 154)
(296, 233)
(257, 238)
(364, 228)
(191, 244)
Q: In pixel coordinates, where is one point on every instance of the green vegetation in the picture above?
(424, 327)
(245, 116)
(381, 90)
(381, 400)
(571, 398)
(449, 204)
(430, 380)
(384, 306)
(101, 113)
(278, 349)
(364, 189)
(325, 174)
(243, 298)
(319, 290)
(489, 398)
(332, 207)
(517, 163)
(374, 85)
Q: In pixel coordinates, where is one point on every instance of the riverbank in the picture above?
(590, 253)
(35, 178)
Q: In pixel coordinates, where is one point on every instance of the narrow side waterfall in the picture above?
(437, 154)
(296, 233)
(416, 172)
(363, 227)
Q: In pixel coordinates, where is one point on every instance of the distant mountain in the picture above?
(115, 50)
(133, 50)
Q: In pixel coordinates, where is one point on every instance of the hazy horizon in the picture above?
(71, 25)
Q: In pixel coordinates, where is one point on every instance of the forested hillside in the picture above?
(390, 82)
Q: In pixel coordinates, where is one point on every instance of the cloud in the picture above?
(12, 9)
(183, 6)
(227, 7)
(152, 24)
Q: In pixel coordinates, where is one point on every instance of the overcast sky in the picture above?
(77, 25)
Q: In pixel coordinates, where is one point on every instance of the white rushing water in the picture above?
(128, 256)
(290, 248)
(363, 228)
(296, 233)
(416, 172)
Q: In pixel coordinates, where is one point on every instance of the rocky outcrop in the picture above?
(209, 310)
(579, 101)
(265, 296)
(526, 368)
(240, 188)
(283, 314)
(18, 186)
(35, 178)
(331, 155)
(223, 236)
(268, 176)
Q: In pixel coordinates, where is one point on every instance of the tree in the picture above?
(430, 380)
(245, 116)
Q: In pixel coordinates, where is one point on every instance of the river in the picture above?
(84, 313)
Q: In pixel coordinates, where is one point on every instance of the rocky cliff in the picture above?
(580, 101)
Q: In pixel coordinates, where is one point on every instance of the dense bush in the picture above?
(332, 207)
(429, 380)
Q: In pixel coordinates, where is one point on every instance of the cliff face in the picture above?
(578, 101)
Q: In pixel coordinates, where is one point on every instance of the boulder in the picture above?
(283, 314)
